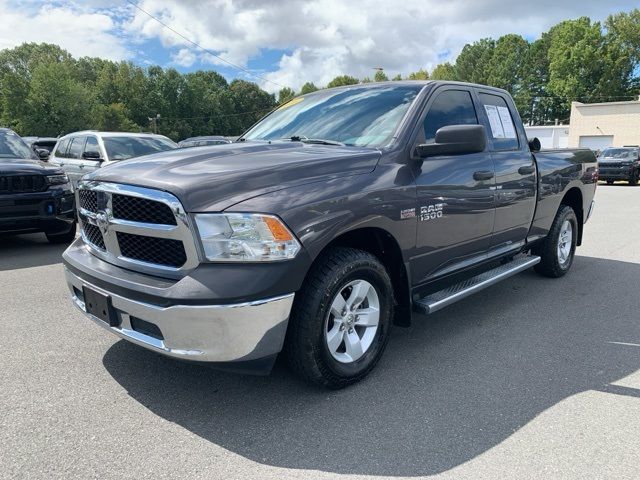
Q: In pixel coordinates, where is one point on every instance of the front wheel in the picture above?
(341, 318)
(559, 247)
(633, 179)
(64, 237)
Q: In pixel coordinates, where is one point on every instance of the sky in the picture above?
(285, 42)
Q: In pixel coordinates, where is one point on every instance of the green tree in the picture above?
(365, 80)
(397, 78)
(56, 103)
(586, 66)
(285, 95)
(444, 71)
(112, 118)
(380, 76)
(472, 65)
(342, 80)
(308, 88)
(419, 75)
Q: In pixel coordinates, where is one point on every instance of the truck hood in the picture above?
(208, 179)
(23, 166)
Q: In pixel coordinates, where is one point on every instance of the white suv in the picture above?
(83, 152)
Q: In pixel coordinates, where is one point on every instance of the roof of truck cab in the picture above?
(408, 83)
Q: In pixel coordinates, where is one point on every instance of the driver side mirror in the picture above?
(455, 140)
(92, 155)
(43, 153)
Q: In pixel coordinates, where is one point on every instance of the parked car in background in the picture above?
(41, 143)
(34, 196)
(619, 164)
(203, 141)
(82, 152)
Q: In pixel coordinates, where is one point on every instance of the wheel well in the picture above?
(573, 199)
(381, 243)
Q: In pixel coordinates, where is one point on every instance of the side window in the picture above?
(77, 147)
(503, 130)
(451, 107)
(92, 145)
(61, 150)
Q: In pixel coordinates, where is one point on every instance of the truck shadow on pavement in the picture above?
(447, 389)
(26, 251)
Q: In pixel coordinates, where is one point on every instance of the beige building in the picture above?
(601, 125)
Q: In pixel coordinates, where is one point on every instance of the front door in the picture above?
(455, 193)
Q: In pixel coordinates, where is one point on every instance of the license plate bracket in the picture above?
(99, 305)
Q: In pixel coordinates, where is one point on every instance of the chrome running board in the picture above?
(435, 301)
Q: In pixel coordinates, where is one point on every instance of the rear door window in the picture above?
(77, 147)
(451, 107)
(502, 129)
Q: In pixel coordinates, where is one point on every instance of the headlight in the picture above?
(57, 179)
(243, 237)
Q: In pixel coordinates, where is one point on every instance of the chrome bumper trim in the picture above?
(206, 333)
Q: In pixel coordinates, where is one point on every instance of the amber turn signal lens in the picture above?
(278, 230)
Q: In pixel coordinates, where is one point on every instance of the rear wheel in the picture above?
(609, 182)
(341, 319)
(558, 248)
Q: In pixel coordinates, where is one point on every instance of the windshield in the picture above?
(12, 146)
(617, 153)
(122, 148)
(360, 116)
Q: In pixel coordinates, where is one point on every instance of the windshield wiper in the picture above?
(317, 141)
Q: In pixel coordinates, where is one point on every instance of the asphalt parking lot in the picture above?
(533, 378)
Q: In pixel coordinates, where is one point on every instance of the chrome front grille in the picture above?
(137, 228)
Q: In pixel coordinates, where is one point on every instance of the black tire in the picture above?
(633, 180)
(609, 182)
(306, 345)
(551, 265)
(64, 237)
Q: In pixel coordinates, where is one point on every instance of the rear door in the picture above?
(515, 188)
(454, 192)
(74, 163)
(60, 152)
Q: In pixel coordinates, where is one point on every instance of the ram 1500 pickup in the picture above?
(333, 218)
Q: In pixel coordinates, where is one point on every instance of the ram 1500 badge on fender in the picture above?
(331, 219)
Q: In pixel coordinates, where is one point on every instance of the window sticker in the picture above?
(507, 123)
(291, 103)
(494, 120)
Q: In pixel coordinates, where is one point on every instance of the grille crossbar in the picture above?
(137, 228)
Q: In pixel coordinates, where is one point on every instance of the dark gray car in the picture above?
(329, 221)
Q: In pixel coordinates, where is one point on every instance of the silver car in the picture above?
(83, 152)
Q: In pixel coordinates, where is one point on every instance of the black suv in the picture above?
(620, 164)
(34, 196)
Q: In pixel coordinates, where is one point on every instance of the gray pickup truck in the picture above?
(332, 219)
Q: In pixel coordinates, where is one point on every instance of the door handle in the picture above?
(483, 175)
(81, 165)
(526, 170)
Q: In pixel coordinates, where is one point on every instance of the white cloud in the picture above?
(324, 38)
(82, 30)
(331, 37)
(184, 57)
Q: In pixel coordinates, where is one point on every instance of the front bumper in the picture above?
(50, 211)
(239, 332)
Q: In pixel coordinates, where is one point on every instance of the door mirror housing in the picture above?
(43, 153)
(455, 140)
(92, 155)
(535, 145)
